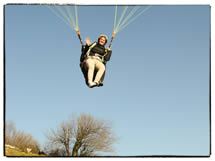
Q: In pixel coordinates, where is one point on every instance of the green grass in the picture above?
(18, 153)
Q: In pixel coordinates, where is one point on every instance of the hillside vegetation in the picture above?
(14, 151)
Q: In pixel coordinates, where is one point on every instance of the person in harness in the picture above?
(93, 61)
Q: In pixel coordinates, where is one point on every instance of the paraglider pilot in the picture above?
(93, 61)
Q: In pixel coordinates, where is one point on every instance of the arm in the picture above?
(85, 49)
(108, 55)
(88, 41)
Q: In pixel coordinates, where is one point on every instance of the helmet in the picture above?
(103, 35)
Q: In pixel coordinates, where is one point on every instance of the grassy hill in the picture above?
(13, 151)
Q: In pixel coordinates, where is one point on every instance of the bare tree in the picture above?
(62, 137)
(84, 136)
(19, 139)
(54, 150)
(10, 132)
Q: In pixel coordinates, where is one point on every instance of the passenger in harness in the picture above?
(93, 61)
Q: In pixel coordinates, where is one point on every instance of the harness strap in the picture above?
(88, 52)
(79, 37)
(104, 55)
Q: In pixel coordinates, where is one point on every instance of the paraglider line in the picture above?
(76, 16)
(69, 11)
(115, 17)
(128, 16)
(64, 15)
(51, 9)
(135, 17)
(121, 17)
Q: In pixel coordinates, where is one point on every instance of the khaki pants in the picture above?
(92, 64)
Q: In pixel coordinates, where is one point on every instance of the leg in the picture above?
(101, 69)
(102, 79)
(91, 67)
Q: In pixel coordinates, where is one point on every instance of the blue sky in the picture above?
(156, 89)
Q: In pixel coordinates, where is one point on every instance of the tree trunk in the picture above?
(67, 150)
(75, 149)
(67, 147)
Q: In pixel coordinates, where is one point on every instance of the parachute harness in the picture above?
(90, 48)
(88, 52)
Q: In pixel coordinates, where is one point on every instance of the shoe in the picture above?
(97, 84)
(92, 84)
(100, 84)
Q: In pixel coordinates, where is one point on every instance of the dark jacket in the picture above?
(99, 49)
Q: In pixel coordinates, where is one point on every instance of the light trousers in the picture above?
(93, 64)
